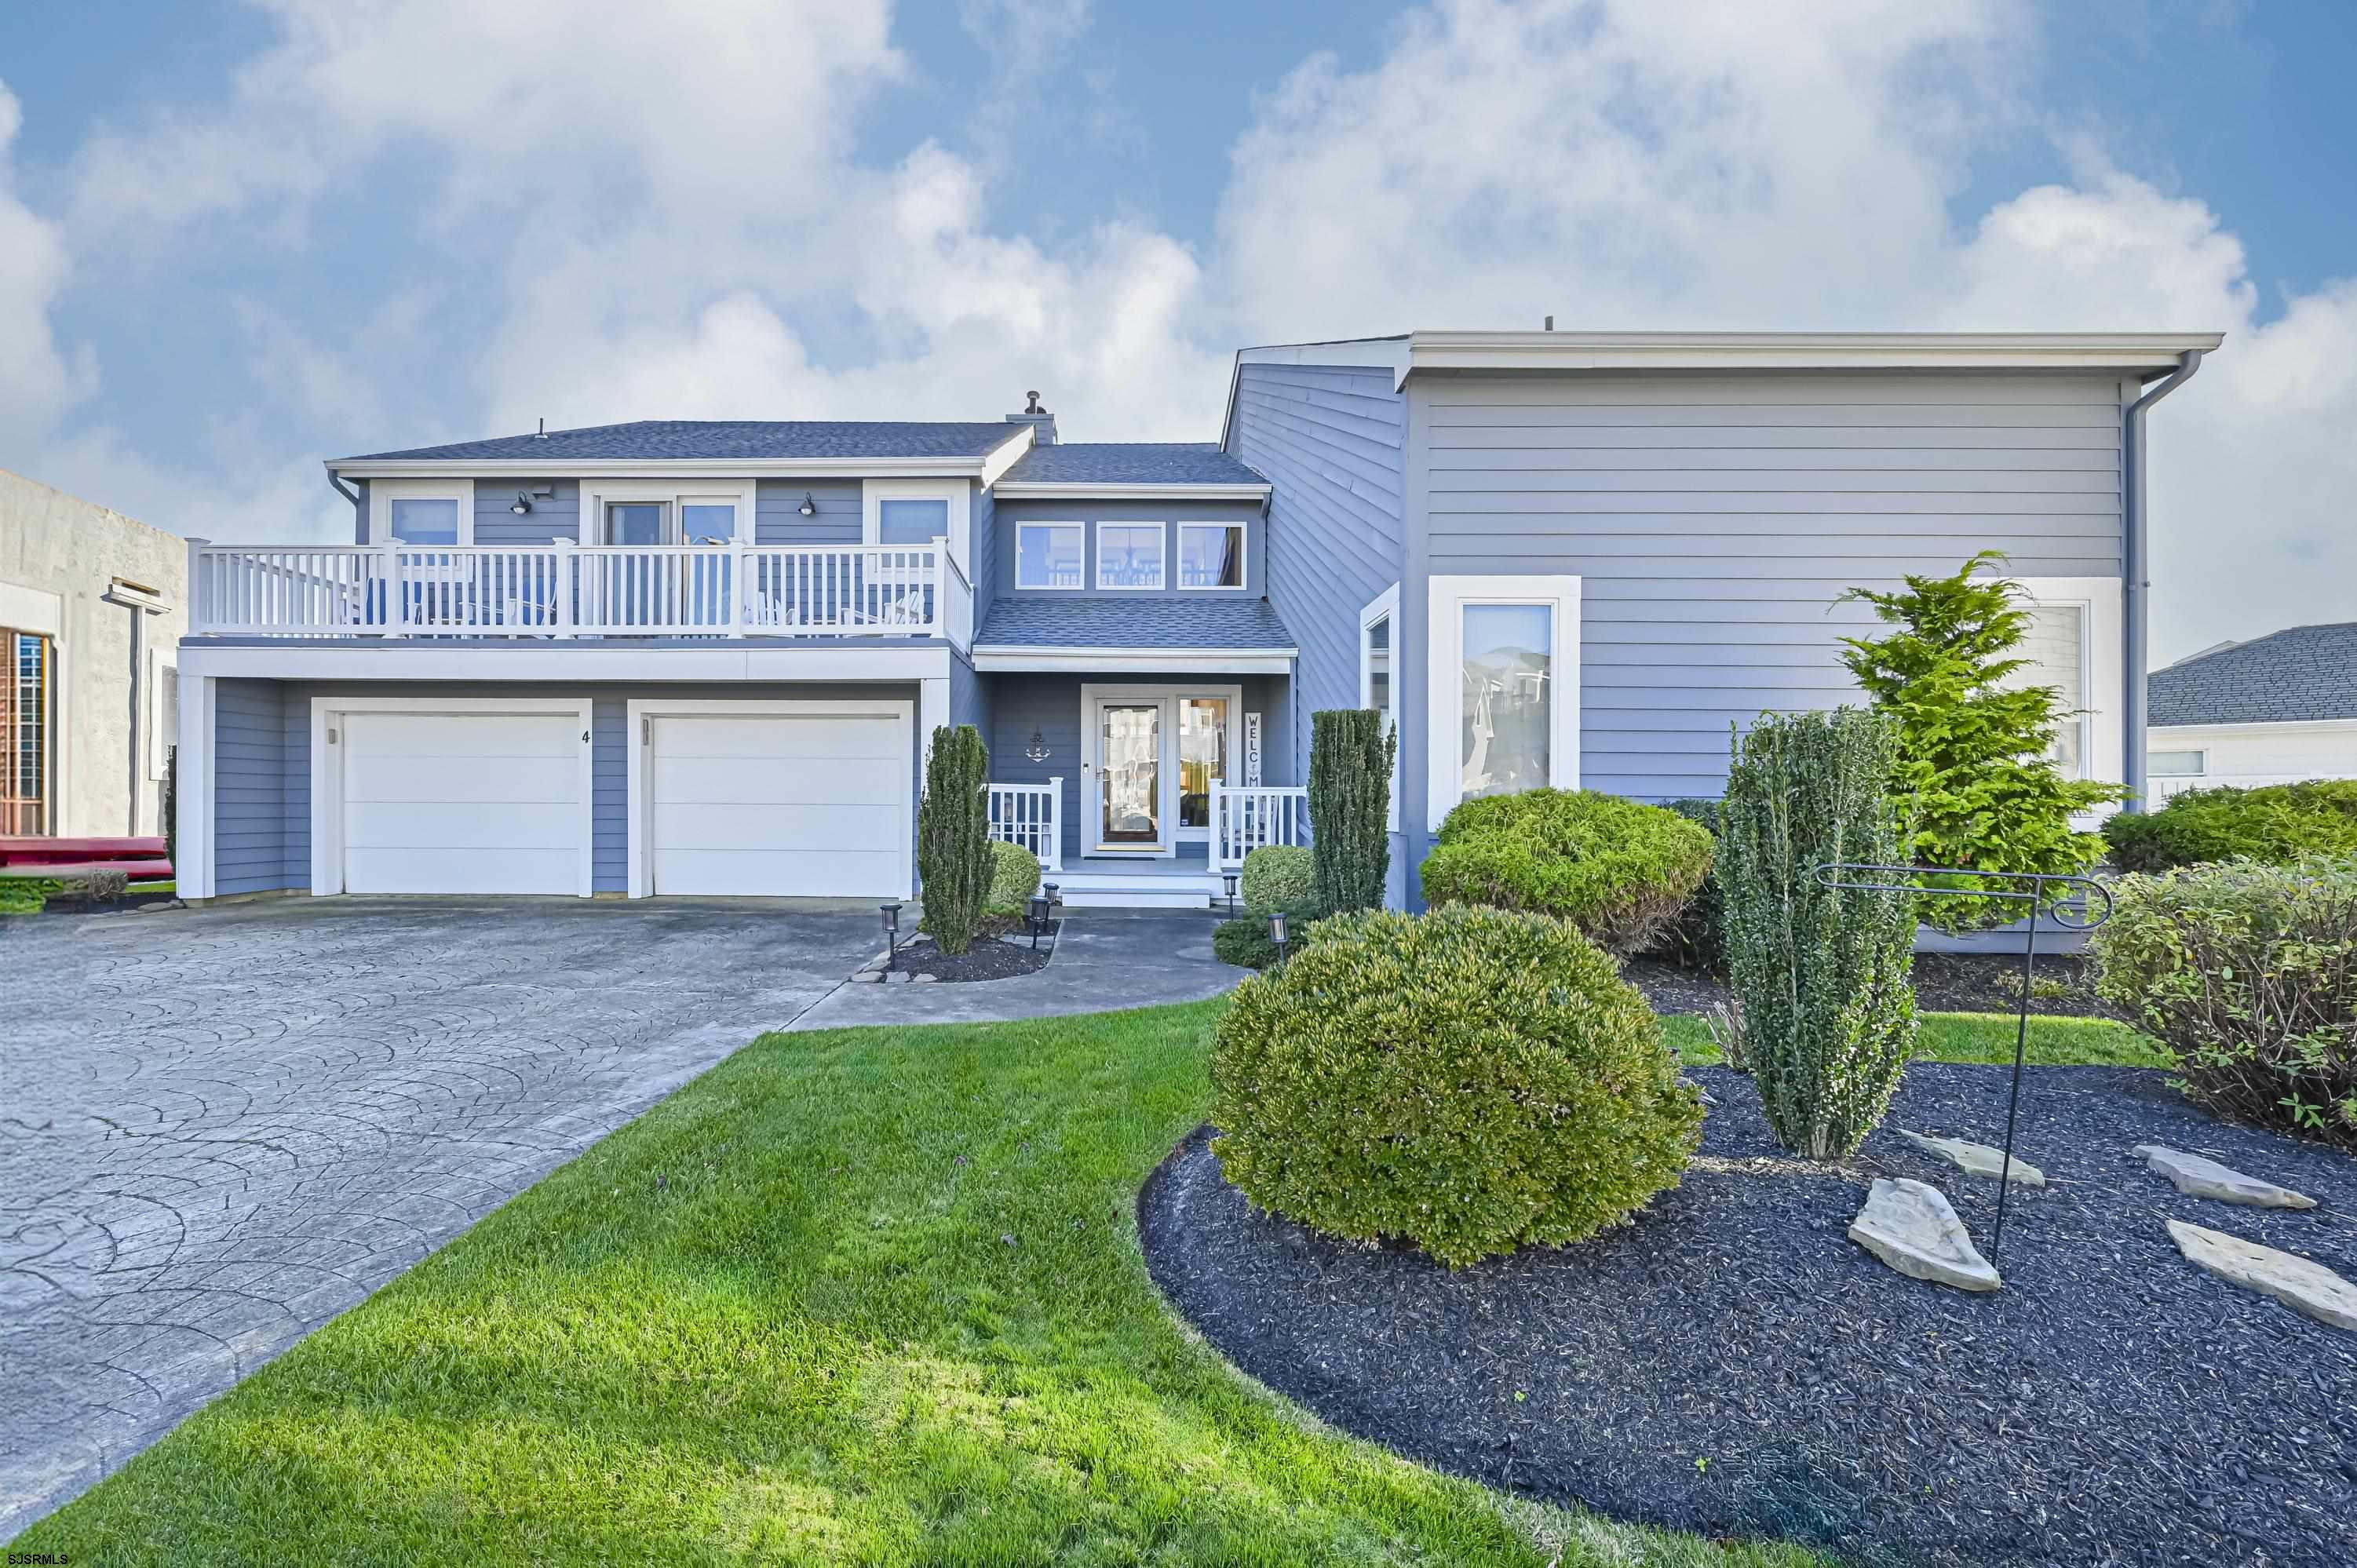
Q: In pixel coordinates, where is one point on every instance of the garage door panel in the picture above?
(804, 873)
(711, 780)
(466, 781)
(467, 735)
(782, 739)
(406, 870)
(397, 825)
(801, 827)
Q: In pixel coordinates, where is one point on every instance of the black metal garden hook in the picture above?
(2066, 917)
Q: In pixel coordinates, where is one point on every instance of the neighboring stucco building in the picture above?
(2274, 710)
(92, 608)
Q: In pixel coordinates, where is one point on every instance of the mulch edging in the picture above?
(1944, 982)
(988, 958)
(1732, 1364)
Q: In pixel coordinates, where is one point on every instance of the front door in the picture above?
(1129, 775)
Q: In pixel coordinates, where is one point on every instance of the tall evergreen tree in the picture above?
(1349, 807)
(954, 837)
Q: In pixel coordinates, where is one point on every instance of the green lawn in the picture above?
(868, 1296)
(1982, 1037)
(27, 895)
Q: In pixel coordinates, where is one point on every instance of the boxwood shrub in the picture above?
(1244, 940)
(2275, 822)
(1619, 870)
(1472, 1080)
(1279, 877)
(2247, 975)
(1014, 877)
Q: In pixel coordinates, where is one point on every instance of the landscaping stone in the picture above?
(2309, 1289)
(928, 980)
(1977, 1159)
(2198, 1177)
(1908, 1225)
(898, 977)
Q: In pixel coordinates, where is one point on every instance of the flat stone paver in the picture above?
(1104, 959)
(219, 1128)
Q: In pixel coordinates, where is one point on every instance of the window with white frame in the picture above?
(911, 520)
(1210, 554)
(2055, 645)
(1378, 628)
(1504, 687)
(655, 511)
(2176, 764)
(1048, 555)
(422, 512)
(2073, 644)
(1129, 555)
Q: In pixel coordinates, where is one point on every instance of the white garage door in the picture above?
(462, 802)
(779, 805)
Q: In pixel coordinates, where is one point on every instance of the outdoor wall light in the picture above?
(1037, 749)
(523, 501)
(808, 507)
(891, 934)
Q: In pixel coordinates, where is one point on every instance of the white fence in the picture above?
(564, 590)
(1244, 820)
(1030, 815)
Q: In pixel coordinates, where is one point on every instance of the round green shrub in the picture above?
(1014, 877)
(2276, 823)
(1619, 870)
(1279, 877)
(2247, 975)
(1244, 942)
(1470, 1081)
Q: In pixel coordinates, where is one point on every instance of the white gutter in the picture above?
(2136, 574)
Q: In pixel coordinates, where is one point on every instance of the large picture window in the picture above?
(1048, 555)
(25, 696)
(1129, 555)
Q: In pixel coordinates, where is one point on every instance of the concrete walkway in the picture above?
(1104, 959)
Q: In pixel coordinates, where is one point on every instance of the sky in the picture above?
(239, 238)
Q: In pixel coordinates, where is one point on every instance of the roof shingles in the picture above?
(2302, 673)
(1131, 463)
(662, 440)
(1173, 621)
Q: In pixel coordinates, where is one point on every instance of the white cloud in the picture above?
(39, 379)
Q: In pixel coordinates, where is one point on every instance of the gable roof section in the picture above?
(2301, 674)
(709, 440)
(1131, 463)
(1171, 622)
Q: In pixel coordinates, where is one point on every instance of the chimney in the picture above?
(1042, 423)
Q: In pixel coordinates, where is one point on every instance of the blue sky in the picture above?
(237, 238)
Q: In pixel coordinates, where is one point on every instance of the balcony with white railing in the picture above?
(561, 591)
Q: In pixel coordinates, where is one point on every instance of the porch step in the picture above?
(1160, 894)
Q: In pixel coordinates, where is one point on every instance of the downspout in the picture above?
(2137, 576)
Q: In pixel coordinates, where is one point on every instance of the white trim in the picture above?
(32, 609)
(383, 493)
(1102, 491)
(1383, 606)
(192, 866)
(327, 765)
(999, 458)
(713, 661)
(1007, 457)
(1076, 526)
(2102, 663)
(636, 712)
(1138, 661)
(597, 495)
(1161, 554)
(1445, 686)
(958, 493)
(1243, 553)
(1168, 695)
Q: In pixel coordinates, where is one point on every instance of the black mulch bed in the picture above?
(1944, 982)
(988, 958)
(1732, 1364)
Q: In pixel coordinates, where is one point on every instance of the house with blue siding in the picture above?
(690, 657)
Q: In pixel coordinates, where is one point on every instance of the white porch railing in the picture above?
(1030, 815)
(1250, 818)
(565, 590)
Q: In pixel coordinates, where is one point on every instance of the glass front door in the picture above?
(1129, 770)
(1202, 756)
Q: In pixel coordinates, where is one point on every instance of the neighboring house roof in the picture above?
(678, 440)
(2302, 673)
(1172, 621)
(1131, 463)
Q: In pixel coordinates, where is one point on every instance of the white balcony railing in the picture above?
(1251, 818)
(565, 590)
(1030, 815)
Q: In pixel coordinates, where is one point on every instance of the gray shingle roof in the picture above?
(2303, 672)
(1131, 463)
(1171, 620)
(749, 438)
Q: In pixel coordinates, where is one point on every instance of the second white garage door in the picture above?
(778, 805)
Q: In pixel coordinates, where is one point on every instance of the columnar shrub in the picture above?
(1349, 807)
(1470, 1081)
(1014, 877)
(1976, 767)
(1619, 870)
(954, 837)
(1279, 877)
(2276, 822)
(1821, 975)
(2247, 975)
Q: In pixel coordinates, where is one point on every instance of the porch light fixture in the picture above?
(891, 934)
(1036, 747)
(808, 507)
(523, 506)
(1276, 935)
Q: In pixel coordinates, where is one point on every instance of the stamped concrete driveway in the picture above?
(221, 1128)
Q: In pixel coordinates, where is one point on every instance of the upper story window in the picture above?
(912, 521)
(1210, 554)
(1129, 555)
(707, 518)
(650, 512)
(2176, 764)
(1048, 555)
(422, 512)
(422, 519)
